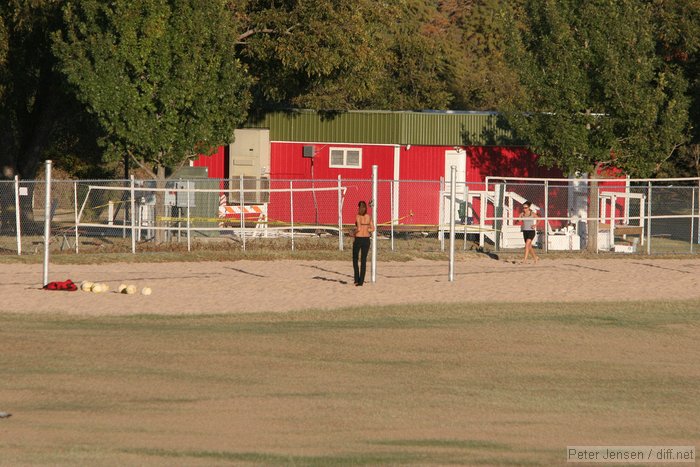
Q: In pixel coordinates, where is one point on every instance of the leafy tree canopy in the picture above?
(161, 76)
(678, 42)
(37, 111)
(597, 91)
(475, 36)
(323, 54)
(339, 55)
(162, 79)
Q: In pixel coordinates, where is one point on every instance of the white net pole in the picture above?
(291, 210)
(47, 222)
(340, 215)
(453, 193)
(124, 212)
(374, 218)
(545, 234)
(18, 224)
(133, 216)
(441, 214)
(692, 221)
(466, 215)
(189, 240)
(393, 214)
(649, 223)
(242, 196)
(75, 212)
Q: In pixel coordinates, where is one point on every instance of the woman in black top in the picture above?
(364, 226)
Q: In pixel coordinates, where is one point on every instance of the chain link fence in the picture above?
(620, 216)
(606, 215)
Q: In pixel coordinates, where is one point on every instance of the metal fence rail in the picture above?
(607, 215)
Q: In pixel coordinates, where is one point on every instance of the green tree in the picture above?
(597, 92)
(421, 66)
(32, 99)
(160, 76)
(319, 54)
(367, 54)
(480, 76)
(39, 118)
(339, 55)
(678, 43)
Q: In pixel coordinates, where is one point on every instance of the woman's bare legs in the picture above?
(529, 250)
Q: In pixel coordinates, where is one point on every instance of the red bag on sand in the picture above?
(65, 285)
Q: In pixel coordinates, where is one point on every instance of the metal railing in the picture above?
(604, 215)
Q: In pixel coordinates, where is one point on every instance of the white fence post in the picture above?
(374, 217)
(189, 240)
(545, 247)
(75, 212)
(47, 222)
(18, 226)
(241, 193)
(340, 214)
(613, 219)
(466, 215)
(692, 221)
(483, 200)
(453, 193)
(110, 212)
(133, 215)
(291, 209)
(649, 217)
(441, 214)
(393, 216)
(499, 190)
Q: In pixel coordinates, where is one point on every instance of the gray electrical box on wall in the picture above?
(249, 155)
(308, 151)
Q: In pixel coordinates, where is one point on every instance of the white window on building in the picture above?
(346, 158)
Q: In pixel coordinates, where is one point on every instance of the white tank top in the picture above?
(528, 222)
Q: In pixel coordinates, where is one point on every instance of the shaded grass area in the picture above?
(470, 384)
(385, 458)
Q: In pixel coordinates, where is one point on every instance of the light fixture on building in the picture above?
(308, 151)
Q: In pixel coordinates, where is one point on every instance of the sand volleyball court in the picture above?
(285, 285)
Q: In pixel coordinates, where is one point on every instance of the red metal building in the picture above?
(415, 149)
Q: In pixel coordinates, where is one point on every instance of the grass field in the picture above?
(477, 384)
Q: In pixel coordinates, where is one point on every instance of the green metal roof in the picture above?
(384, 127)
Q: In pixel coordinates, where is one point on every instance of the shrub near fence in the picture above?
(630, 216)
